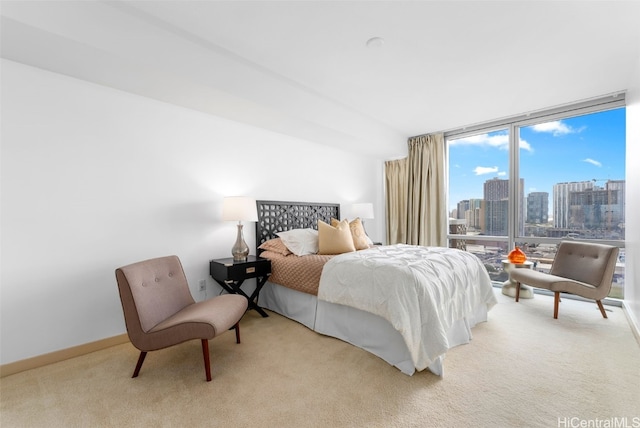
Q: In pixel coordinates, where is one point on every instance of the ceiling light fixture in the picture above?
(375, 42)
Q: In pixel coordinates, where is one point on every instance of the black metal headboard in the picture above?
(278, 216)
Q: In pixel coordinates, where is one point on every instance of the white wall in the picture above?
(94, 178)
(632, 233)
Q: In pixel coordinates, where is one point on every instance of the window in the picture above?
(536, 180)
(479, 181)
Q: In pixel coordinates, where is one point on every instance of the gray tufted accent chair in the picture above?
(580, 268)
(159, 310)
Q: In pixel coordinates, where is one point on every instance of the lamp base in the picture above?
(240, 249)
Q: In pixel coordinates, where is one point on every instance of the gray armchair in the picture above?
(159, 310)
(580, 268)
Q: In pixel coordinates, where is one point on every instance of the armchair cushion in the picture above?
(159, 289)
(585, 262)
(218, 314)
(553, 282)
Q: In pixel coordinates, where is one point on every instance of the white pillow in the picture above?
(369, 241)
(300, 241)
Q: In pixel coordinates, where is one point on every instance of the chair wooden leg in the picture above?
(207, 361)
(237, 328)
(517, 291)
(139, 365)
(604, 314)
(556, 303)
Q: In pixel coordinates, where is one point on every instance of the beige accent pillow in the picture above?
(360, 239)
(276, 245)
(334, 240)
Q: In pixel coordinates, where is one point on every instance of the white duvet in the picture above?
(421, 291)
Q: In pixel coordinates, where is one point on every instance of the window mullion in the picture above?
(513, 185)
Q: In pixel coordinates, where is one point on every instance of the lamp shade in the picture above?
(239, 208)
(364, 210)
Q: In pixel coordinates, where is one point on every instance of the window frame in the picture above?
(513, 125)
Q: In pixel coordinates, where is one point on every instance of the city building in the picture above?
(561, 201)
(538, 207)
(587, 210)
(496, 197)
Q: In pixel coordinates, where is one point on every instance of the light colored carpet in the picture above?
(522, 369)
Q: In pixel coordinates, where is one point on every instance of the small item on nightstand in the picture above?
(517, 256)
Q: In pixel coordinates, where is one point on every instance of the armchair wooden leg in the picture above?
(604, 314)
(517, 291)
(207, 361)
(237, 328)
(556, 303)
(139, 365)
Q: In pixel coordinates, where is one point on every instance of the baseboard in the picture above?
(63, 354)
(633, 322)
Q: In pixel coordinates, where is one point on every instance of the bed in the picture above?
(377, 320)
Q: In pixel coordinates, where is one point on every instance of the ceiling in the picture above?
(303, 68)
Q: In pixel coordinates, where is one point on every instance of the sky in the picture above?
(580, 148)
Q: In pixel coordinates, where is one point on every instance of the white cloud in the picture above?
(497, 141)
(500, 141)
(502, 173)
(557, 127)
(481, 170)
(525, 145)
(592, 162)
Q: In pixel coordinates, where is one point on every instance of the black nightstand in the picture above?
(231, 274)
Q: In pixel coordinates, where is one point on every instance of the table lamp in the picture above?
(239, 208)
(363, 210)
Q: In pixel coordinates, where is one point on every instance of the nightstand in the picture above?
(231, 274)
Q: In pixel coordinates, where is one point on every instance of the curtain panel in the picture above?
(416, 202)
(397, 182)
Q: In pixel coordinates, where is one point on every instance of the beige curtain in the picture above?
(421, 212)
(397, 181)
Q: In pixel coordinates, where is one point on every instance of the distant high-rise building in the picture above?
(496, 189)
(462, 208)
(497, 217)
(496, 196)
(598, 207)
(474, 216)
(538, 207)
(561, 200)
(617, 208)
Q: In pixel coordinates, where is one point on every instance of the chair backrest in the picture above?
(586, 262)
(151, 291)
